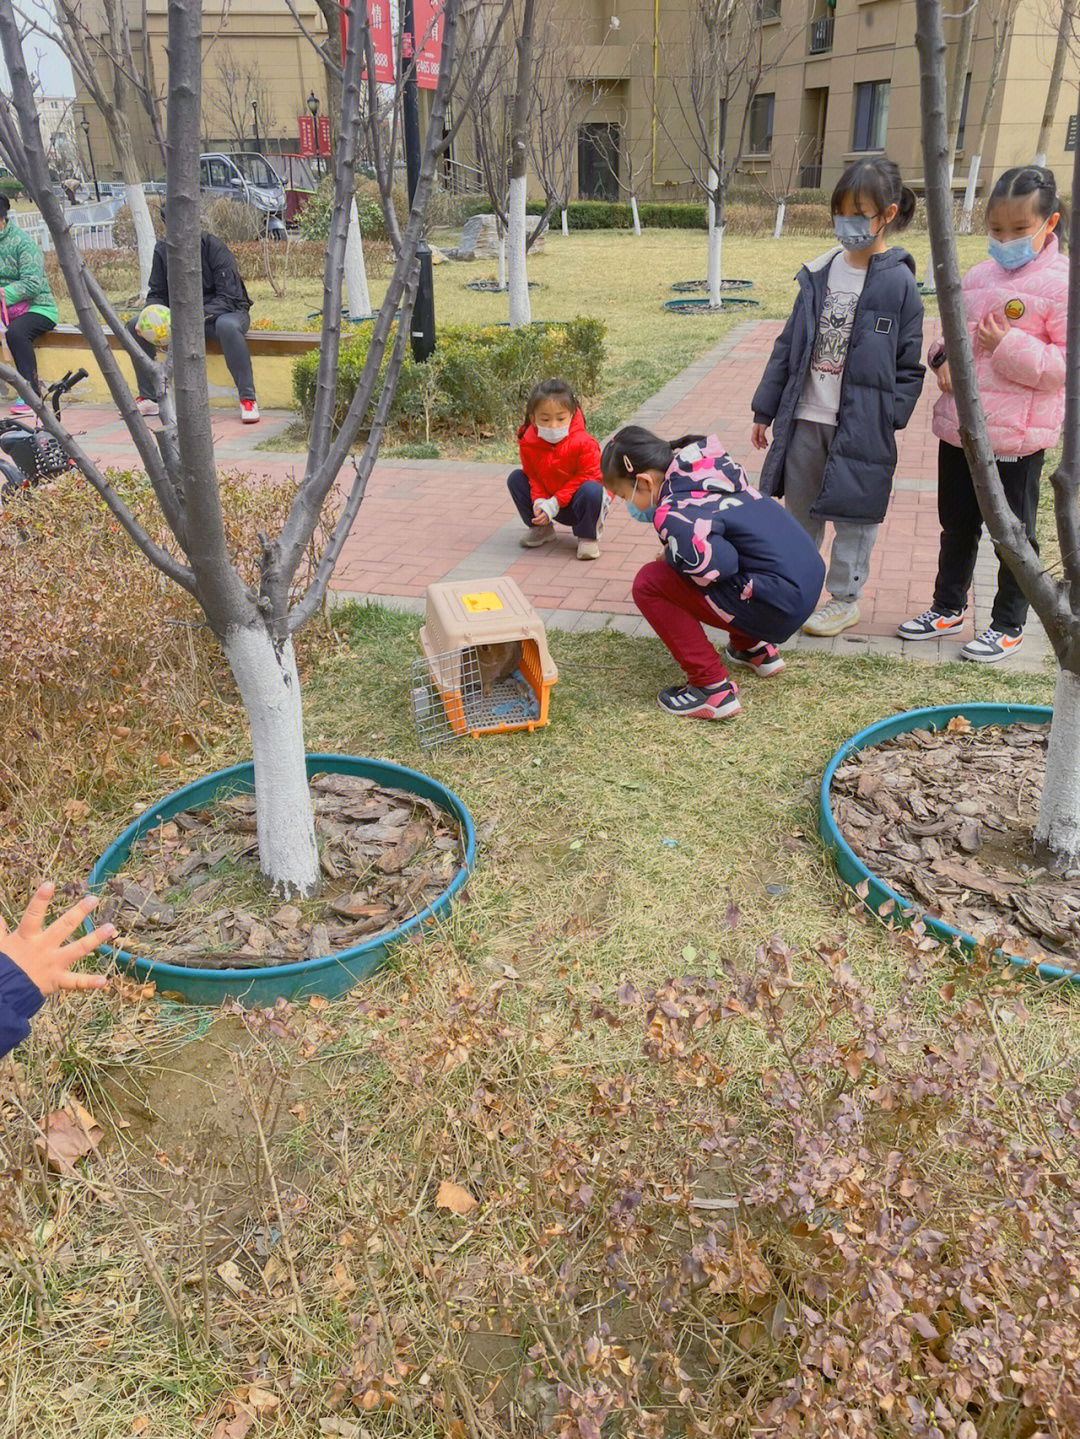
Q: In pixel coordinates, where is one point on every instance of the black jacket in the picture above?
(881, 384)
(223, 289)
(758, 568)
(20, 998)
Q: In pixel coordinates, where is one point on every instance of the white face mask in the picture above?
(553, 436)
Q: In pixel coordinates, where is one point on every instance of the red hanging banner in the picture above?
(322, 134)
(306, 126)
(429, 28)
(382, 39)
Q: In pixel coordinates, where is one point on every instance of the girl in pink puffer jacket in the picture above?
(1016, 304)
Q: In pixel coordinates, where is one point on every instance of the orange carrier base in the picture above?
(486, 668)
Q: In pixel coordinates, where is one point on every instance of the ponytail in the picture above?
(633, 450)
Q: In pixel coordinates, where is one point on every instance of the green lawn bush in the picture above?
(478, 377)
(10, 187)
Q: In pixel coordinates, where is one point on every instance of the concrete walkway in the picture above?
(428, 520)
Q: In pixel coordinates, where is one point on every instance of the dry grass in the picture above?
(494, 1055)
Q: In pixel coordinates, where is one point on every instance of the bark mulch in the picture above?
(947, 819)
(191, 892)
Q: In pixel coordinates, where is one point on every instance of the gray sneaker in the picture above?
(537, 535)
(833, 618)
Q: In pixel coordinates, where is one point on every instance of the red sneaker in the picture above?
(762, 657)
(249, 412)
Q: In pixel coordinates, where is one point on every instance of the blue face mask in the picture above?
(853, 231)
(645, 516)
(1014, 254)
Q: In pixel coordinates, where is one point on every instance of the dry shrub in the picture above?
(124, 226)
(797, 1213)
(110, 677)
(233, 221)
(307, 258)
(117, 271)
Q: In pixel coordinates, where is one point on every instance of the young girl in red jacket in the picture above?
(559, 479)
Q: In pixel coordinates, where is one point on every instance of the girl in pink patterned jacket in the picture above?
(1016, 304)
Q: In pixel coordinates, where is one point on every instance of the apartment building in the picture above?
(840, 79)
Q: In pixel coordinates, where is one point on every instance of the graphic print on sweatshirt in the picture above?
(834, 332)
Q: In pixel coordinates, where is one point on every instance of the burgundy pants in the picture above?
(677, 610)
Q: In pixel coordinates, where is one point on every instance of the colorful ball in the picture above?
(154, 325)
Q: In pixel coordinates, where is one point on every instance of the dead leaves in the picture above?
(68, 1135)
(454, 1198)
(188, 888)
(246, 1405)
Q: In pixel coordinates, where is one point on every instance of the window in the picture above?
(761, 122)
(871, 115)
(1070, 133)
(963, 113)
(768, 9)
(598, 161)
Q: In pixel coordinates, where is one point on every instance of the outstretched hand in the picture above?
(42, 954)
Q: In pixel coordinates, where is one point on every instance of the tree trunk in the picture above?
(517, 276)
(1001, 44)
(333, 60)
(500, 262)
(269, 686)
(517, 270)
(356, 285)
(565, 222)
(956, 106)
(715, 273)
(1057, 831)
(1065, 30)
(778, 228)
(145, 239)
(635, 213)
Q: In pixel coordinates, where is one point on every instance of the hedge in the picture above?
(610, 215)
(10, 187)
(478, 377)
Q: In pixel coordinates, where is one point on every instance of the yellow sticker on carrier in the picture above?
(487, 601)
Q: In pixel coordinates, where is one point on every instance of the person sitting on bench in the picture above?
(226, 311)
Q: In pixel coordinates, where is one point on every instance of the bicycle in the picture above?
(34, 455)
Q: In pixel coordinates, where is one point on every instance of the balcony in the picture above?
(821, 35)
(810, 177)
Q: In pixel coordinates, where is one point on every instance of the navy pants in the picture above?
(229, 331)
(21, 334)
(582, 514)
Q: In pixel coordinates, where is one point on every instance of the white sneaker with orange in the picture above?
(992, 645)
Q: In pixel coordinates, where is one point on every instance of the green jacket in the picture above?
(22, 272)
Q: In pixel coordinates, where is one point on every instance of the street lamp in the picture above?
(255, 113)
(313, 107)
(85, 124)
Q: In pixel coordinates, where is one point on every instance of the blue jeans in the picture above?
(582, 514)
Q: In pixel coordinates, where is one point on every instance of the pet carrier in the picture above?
(485, 666)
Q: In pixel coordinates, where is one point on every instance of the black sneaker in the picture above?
(688, 702)
(762, 657)
(992, 645)
(931, 624)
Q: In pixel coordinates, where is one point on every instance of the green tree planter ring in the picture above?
(701, 307)
(329, 976)
(852, 870)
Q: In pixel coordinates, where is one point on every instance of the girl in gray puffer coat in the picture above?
(843, 377)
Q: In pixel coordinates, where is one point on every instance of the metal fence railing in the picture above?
(92, 235)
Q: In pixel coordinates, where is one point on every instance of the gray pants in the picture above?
(804, 466)
(229, 331)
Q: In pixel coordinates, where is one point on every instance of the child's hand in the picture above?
(42, 955)
(544, 511)
(992, 330)
(759, 437)
(944, 379)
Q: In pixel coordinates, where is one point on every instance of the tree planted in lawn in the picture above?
(255, 626)
(720, 70)
(1056, 601)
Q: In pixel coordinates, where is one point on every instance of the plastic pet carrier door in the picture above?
(485, 666)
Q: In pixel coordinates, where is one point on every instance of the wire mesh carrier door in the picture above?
(484, 666)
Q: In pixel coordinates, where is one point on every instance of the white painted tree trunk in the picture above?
(145, 239)
(1040, 159)
(517, 276)
(356, 286)
(778, 228)
(565, 222)
(964, 226)
(270, 690)
(1057, 832)
(500, 262)
(636, 214)
(715, 274)
(710, 209)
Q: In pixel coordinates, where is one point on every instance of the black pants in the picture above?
(229, 331)
(582, 514)
(21, 334)
(961, 525)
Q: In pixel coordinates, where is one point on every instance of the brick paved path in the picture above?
(426, 520)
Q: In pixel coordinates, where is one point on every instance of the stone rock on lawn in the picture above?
(480, 238)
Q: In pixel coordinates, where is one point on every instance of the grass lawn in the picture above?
(623, 280)
(618, 848)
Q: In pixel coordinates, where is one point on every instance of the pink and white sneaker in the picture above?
(249, 412)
